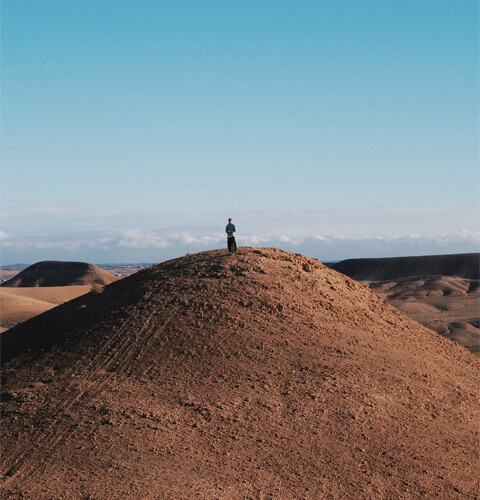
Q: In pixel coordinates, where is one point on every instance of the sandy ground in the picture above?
(259, 375)
(20, 304)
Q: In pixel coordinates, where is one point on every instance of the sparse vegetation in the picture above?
(97, 289)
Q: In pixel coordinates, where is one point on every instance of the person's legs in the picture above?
(232, 244)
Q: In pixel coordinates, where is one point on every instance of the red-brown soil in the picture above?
(58, 273)
(259, 375)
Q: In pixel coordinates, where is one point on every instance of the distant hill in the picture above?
(464, 265)
(259, 375)
(58, 273)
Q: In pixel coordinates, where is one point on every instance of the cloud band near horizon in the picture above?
(100, 236)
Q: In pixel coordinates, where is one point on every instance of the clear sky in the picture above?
(131, 130)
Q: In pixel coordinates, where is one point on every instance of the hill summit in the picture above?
(259, 375)
(59, 273)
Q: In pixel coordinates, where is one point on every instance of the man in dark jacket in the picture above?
(230, 229)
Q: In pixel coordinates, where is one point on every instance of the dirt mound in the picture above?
(461, 265)
(259, 375)
(57, 273)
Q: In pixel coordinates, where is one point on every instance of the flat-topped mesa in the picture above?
(219, 375)
(59, 273)
(465, 265)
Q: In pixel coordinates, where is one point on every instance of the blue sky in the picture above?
(132, 130)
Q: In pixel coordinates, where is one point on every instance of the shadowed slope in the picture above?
(461, 265)
(18, 304)
(57, 273)
(216, 376)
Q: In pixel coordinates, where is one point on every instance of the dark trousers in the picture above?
(232, 244)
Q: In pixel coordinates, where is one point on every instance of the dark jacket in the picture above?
(230, 229)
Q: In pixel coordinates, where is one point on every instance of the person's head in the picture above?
(229, 221)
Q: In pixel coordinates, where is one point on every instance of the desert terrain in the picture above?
(448, 305)
(60, 273)
(259, 375)
(45, 285)
(19, 304)
(462, 265)
(442, 291)
(118, 270)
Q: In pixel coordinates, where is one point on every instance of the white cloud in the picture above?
(72, 233)
(141, 240)
(143, 246)
(252, 240)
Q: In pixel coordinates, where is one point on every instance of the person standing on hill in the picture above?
(232, 244)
